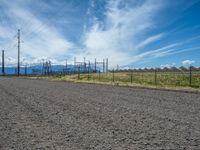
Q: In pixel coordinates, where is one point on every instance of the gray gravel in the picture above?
(39, 114)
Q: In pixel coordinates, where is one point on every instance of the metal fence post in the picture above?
(88, 74)
(78, 72)
(155, 76)
(190, 79)
(99, 75)
(113, 75)
(3, 65)
(131, 76)
(25, 70)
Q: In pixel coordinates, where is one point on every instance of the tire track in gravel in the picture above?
(82, 114)
(45, 139)
(34, 111)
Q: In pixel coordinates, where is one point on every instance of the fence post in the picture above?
(26, 70)
(190, 80)
(95, 65)
(131, 76)
(113, 75)
(78, 72)
(99, 75)
(155, 76)
(3, 69)
(88, 73)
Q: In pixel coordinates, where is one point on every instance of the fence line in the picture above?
(159, 77)
(189, 77)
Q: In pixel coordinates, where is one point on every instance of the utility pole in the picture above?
(18, 66)
(3, 71)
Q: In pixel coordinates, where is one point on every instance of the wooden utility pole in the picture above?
(18, 66)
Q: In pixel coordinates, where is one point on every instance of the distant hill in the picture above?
(38, 69)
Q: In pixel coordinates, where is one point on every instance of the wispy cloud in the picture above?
(150, 40)
(125, 31)
(38, 40)
(117, 37)
(124, 38)
(163, 52)
(152, 54)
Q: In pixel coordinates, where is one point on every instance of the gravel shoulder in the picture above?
(41, 114)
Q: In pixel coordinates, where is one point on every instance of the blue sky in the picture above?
(131, 33)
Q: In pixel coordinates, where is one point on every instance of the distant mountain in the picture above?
(38, 69)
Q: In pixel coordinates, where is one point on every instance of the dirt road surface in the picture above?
(38, 114)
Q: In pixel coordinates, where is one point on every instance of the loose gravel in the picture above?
(40, 114)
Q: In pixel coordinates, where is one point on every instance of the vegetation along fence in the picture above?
(185, 77)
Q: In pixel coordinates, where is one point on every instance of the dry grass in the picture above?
(164, 80)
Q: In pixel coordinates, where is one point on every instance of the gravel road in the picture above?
(39, 114)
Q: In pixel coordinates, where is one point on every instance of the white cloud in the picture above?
(39, 39)
(117, 37)
(188, 62)
(152, 54)
(150, 40)
(168, 65)
(123, 35)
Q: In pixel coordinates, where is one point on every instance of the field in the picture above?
(130, 78)
(43, 114)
